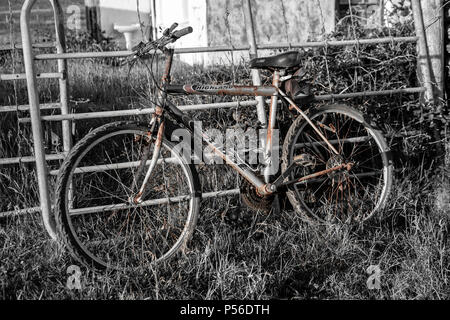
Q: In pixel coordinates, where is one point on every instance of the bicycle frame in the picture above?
(273, 91)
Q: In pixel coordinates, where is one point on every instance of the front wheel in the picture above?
(355, 192)
(96, 220)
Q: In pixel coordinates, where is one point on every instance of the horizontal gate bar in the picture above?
(109, 54)
(20, 212)
(37, 10)
(22, 76)
(114, 166)
(153, 202)
(338, 43)
(34, 45)
(136, 112)
(26, 107)
(29, 159)
(369, 94)
(109, 208)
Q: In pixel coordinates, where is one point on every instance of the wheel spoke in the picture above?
(346, 193)
(110, 229)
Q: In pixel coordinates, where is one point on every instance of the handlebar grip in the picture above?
(180, 33)
(173, 27)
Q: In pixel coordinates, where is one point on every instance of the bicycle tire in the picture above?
(297, 198)
(65, 182)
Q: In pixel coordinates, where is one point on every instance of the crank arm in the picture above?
(346, 166)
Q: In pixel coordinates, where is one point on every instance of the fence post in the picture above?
(62, 68)
(423, 60)
(153, 17)
(33, 97)
(256, 76)
(92, 19)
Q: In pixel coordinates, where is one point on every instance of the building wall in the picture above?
(275, 22)
(41, 23)
(120, 12)
(184, 12)
(218, 23)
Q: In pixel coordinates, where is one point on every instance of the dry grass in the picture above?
(239, 254)
(235, 253)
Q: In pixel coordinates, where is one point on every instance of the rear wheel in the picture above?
(353, 193)
(96, 220)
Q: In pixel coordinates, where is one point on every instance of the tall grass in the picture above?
(237, 253)
(240, 254)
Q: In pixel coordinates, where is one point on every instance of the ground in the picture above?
(237, 253)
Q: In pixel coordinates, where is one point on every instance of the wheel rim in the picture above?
(110, 230)
(343, 195)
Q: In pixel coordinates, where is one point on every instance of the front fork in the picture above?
(156, 122)
(155, 157)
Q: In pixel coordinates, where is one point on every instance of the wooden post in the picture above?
(423, 59)
(250, 28)
(429, 24)
(382, 6)
(93, 19)
(154, 27)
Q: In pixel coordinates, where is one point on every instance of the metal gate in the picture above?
(66, 117)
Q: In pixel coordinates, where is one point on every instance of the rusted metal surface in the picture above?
(156, 153)
(303, 114)
(273, 106)
(271, 126)
(228, 90)
(246, 174)
(347, 166)
(168, 66)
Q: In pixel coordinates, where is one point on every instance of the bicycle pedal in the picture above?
(305, 160)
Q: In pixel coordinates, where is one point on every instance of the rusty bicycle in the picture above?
(126, 196)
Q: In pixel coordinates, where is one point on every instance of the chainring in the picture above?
(253, 200)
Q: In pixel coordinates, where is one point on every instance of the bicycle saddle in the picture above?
(281, 61)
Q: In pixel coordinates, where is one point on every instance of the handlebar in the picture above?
(181, 33)
(170, 30)
(169, 36)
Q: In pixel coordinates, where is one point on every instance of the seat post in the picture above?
(268, 154)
